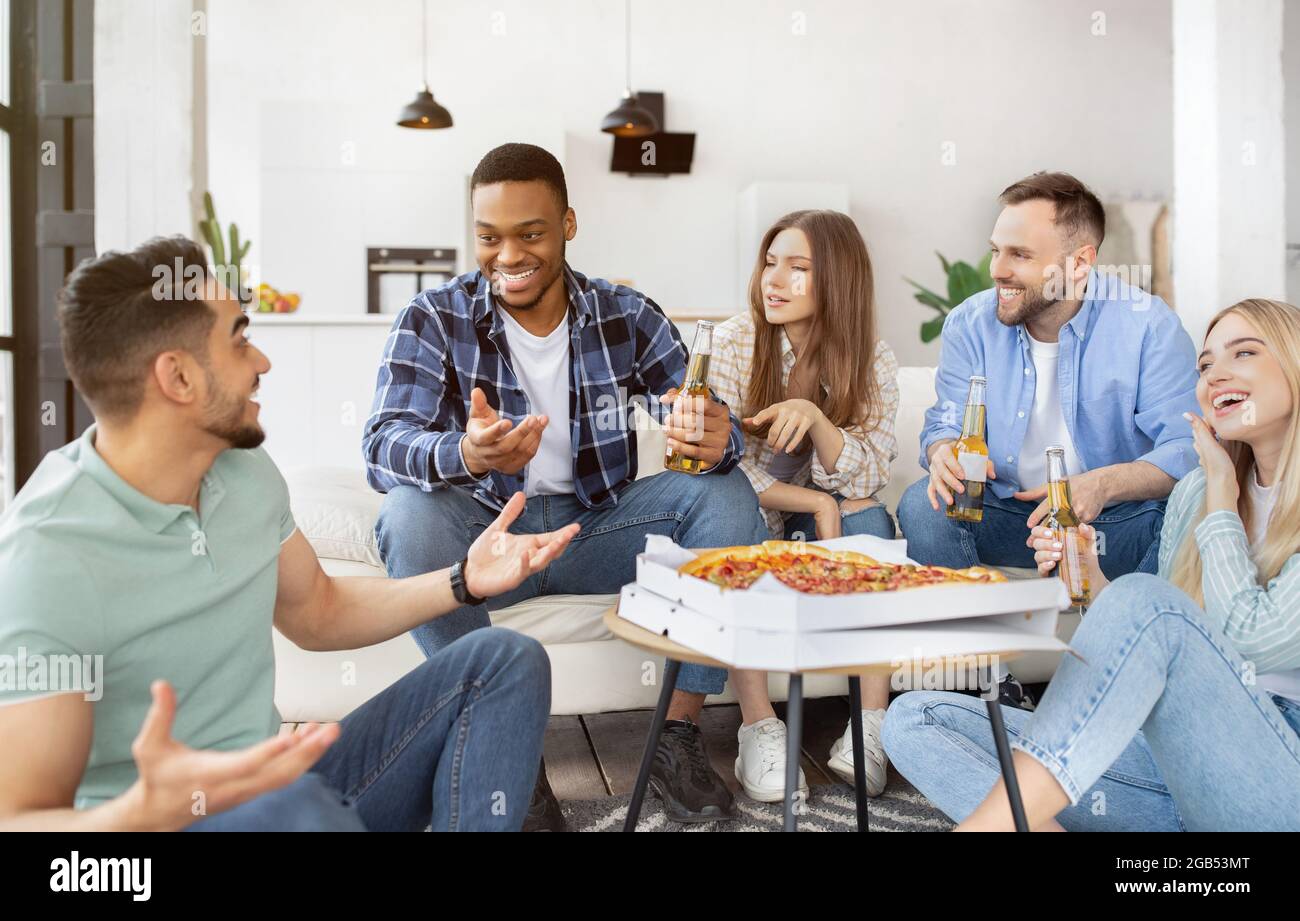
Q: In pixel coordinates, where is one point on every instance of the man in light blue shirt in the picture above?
(1073, 356)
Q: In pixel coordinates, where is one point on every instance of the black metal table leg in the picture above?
(859, 754)
(794, 737)
(1004, 757)
(671, 668)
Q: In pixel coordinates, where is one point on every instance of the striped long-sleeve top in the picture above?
(1261, 621)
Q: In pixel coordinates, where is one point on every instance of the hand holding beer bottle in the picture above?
(1063, 542)
(698, 429)
(1048, 551)
(959, 469)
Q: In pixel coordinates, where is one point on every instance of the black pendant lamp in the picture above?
(629, 120)
(424, 112)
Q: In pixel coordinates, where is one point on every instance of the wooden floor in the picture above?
(589, 757)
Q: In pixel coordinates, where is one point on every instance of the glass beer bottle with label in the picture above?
(696, 385)
(973, 455)
(1064, 523)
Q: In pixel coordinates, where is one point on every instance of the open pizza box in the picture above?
(913, 647)
(769, 605)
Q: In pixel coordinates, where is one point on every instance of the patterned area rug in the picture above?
(899, 808)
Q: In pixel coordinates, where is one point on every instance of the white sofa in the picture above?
(591, 671)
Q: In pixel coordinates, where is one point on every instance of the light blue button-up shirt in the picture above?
(1126, 373)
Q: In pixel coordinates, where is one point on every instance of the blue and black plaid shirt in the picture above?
(450, 340)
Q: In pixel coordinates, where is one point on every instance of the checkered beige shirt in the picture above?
(862, 469)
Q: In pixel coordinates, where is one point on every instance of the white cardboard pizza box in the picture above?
(769, 605)
(789, 651)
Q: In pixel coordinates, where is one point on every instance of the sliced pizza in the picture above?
(815, 570)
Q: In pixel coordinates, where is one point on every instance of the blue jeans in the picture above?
(1128, 541)
(421, 532)
(454, 745)
(1161, 730)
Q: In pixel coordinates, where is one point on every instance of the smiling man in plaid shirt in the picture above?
(521, 376)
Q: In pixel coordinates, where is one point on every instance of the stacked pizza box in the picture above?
(771, 626)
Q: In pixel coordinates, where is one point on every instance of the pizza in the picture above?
(818, 571)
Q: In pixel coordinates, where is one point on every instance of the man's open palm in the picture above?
(179, 785)
(493, 443)
(498, 561)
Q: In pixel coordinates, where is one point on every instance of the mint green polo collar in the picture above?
(150, 513)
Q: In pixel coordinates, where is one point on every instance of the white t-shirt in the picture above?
(542, 366)
(1287, 683)
(1046, 420)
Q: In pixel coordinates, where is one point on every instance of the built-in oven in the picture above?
(394, 275)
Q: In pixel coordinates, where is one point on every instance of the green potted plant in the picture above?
(964, 280)
(228, 263)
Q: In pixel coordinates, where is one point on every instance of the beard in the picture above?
(223, 417)
(1032, 303)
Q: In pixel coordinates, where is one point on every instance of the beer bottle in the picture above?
(1061, 518)
(696, 384)
(973, 455)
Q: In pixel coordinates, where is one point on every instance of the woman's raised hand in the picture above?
(790, 421)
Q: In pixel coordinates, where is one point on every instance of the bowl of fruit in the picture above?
(270, 300)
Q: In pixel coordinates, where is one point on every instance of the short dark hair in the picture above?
(118, 311)
(1078, 210)
(521, 163)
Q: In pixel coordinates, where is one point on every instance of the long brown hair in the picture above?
(841, 343)
(1279, 325)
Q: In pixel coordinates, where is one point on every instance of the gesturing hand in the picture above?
(489, 443)
(697, 427)
(1088, 496)
(175, 779)
(498, 561)
(790, 421)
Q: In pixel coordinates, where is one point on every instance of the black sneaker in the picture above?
(682, 777)
(1011, 693)
(544, 809)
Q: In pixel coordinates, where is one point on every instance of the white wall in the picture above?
(1230, 156)
(144, 121)
(868, 96)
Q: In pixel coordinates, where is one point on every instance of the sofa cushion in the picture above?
(915, 396)
(556, 619)
(549, 619)
(336, 510)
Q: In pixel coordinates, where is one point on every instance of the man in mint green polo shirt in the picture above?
(143, 566)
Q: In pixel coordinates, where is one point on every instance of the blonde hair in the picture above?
(1278, 325)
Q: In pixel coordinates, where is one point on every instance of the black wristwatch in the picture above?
(459, 588)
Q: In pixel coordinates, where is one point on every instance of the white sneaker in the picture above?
(760, 768)
(877, 765)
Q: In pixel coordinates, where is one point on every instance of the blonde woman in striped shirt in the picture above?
(1184, 712)
(817, 393)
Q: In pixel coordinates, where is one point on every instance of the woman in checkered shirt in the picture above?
(817, 393)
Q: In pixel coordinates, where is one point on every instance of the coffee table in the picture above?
(675, 654)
